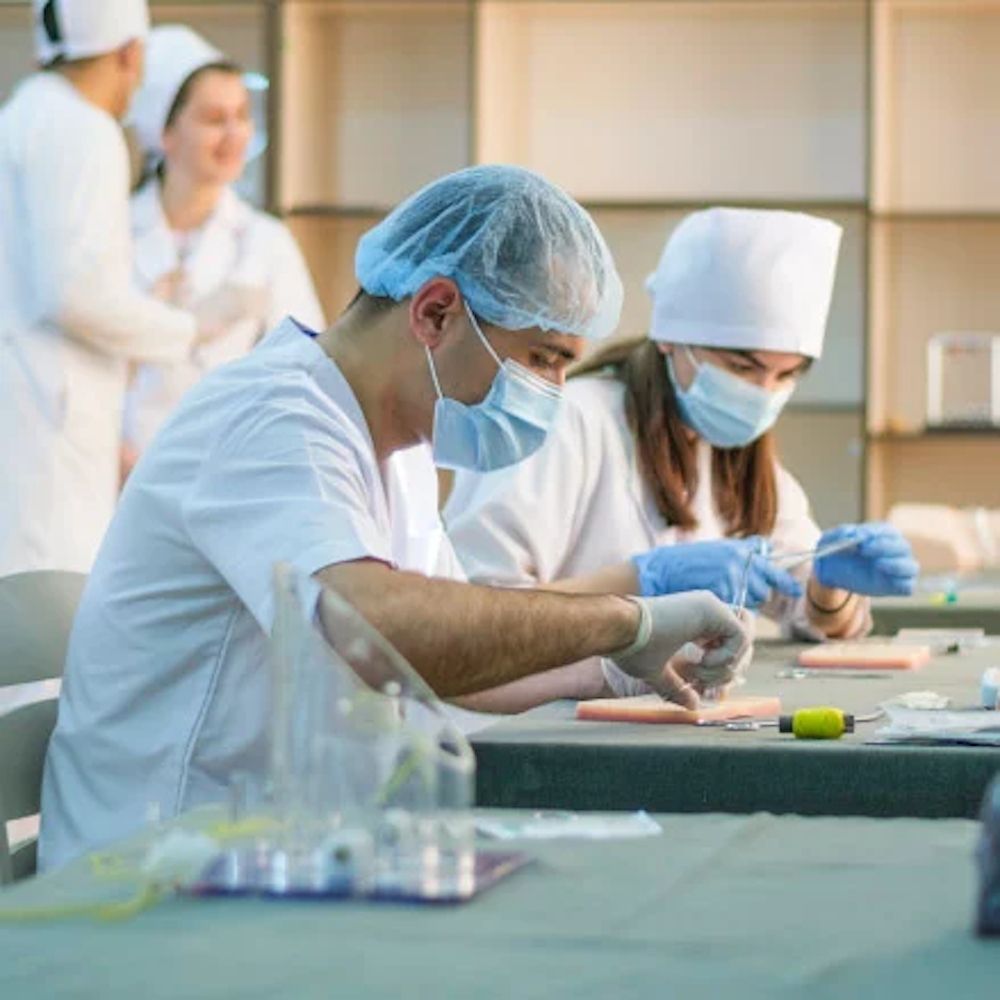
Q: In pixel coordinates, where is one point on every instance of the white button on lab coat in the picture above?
(167, 684)
(238, 245)
(580, 505)
(70, 318)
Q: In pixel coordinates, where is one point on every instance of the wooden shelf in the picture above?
(651, 101)
(377, 99)
(328, 243)
(926, 278)
(335, 211)
(880, 114)
(936, 434)
(934, 468)
(936, 106)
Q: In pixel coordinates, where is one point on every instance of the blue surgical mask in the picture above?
(724, 409)
(507, 426)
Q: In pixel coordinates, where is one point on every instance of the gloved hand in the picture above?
(882, 563)
(667, 625)
(219, 311)
(715, 566)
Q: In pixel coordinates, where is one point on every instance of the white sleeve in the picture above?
(281, 487)
(77, 209)
(795, 531)
(517, 526)
(292, 290)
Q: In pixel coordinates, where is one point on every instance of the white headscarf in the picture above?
(77, 29)
(173, 53)
(746, 279)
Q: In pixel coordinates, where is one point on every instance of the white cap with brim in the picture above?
(746, 279)
(173, 53)
(79, 29)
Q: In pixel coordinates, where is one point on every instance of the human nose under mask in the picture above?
(509, 424)
(724, 409)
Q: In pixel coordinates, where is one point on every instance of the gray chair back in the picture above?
(36, 615)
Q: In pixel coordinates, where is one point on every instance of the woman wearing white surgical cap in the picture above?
(195, 240)
(661, 475)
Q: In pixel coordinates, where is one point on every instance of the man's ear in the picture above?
(664, 348)
(433, 310)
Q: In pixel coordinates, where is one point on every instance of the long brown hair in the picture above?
(744, 481)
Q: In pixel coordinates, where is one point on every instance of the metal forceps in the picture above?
(741, 595)
(789, 560)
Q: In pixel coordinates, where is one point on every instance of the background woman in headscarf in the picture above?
(196, 240)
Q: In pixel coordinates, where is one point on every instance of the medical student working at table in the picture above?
(661, 472)
(476, 294)
(72, 319)
(193, 236)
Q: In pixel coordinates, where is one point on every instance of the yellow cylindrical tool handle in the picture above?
(817, 723)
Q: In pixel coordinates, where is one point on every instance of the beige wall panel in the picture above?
(377, 100)
(938, 104)
(328, 244)
(824, 452)
(634, 100)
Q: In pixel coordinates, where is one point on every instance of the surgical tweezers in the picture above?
(791, 559)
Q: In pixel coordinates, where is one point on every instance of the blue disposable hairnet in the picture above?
(522, 252)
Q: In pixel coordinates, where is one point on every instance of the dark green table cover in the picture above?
(546, 758)
(715, 907)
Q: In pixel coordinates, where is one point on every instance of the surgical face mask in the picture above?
(507, 426)
(724, 409)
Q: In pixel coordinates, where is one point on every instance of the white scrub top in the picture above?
(580, 505)
(237, 245)
(167, 683)
(70, 320)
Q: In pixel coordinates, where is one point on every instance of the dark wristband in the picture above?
(824, 610)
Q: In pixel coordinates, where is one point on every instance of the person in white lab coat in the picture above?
(476, 293)
(661, 473)
(193, 235)
(71, 319)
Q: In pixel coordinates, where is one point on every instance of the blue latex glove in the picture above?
(881, 565)
(715, 566)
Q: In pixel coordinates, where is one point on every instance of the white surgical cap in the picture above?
(746, 279)
(77, 29)
(522, 251)
(173, 53)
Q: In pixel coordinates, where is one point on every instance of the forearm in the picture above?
(462, 638)
(579, 681)
(620, 579)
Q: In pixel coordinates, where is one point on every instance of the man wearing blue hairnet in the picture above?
(475, 295)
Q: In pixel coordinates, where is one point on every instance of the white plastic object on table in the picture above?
(989, 688)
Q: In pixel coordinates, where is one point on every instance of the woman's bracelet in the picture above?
(824, 610)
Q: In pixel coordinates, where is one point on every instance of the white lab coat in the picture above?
(580, 505)
(239, 245)
(70, 320)
(167, 685)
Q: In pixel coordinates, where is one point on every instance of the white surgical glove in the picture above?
(657, 659)
(219, 311)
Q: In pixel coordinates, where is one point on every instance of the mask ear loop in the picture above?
(481, 335)
(434, 374)
(694, 361)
